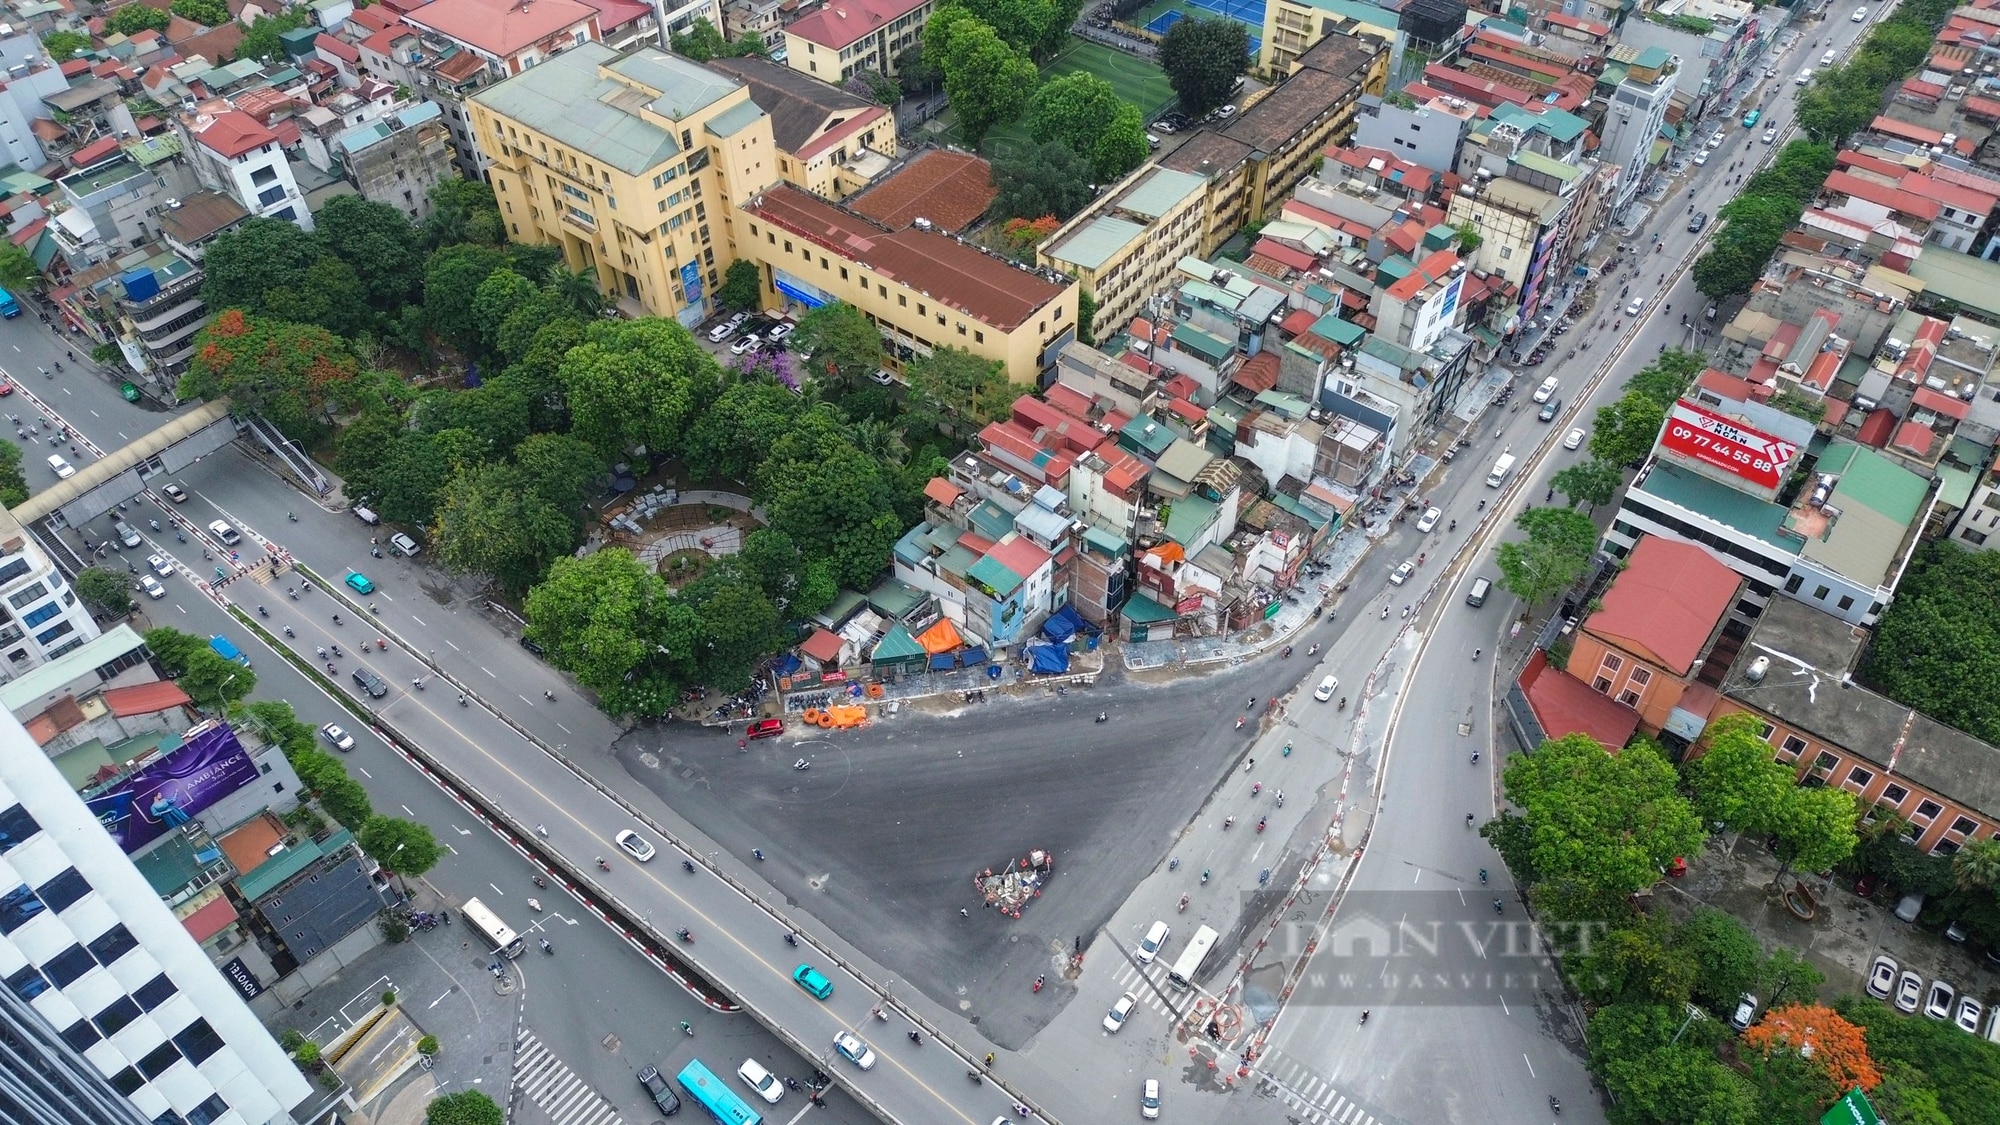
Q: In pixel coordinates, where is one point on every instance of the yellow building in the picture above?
(1293, 27)
(924, 289)
(841, 37)
(830, 142)
(1122, 248)
(631, 163)
(1253, 162)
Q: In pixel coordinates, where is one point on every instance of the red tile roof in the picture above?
(951, 189)
(954, 274)
(1257, 374)
(211, 919)
(501, 27)
(1053, 427)
(93, 152)
(1020, 555)
(1068, 399)
(327, 44)
(1951, 406)
(1963, 197)
(822, 646)
(374, 19)
(1435, 268)
(840, 23)
(1666, 603)
(1283, 254)
(1890, 127)
(1894, 198)
(943, 491)
(232, 133)
(1125, 470)
(1565, 705)
(145, 699)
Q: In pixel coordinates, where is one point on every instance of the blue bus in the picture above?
(713, 1094)
(9, 307)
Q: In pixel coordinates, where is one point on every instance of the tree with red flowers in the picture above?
(290, 373)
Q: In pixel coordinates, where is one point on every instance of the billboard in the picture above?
(1701, 435)
(170, 791)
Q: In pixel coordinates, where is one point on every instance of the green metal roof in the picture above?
(1164, 190)
(897, 644)
(1546, 165)
(567, 99)
(1721, 503)
(990, 520)
(1093, 243)
(279, 869)
(685, 86)
(995, 576)
(1142, 610)
(1210, 347)
(735, 119)
(895, 598)
(1346, 333)
(49, 678)
(170, 865)
(1191, 515)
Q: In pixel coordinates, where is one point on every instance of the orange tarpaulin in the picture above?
(940, 637)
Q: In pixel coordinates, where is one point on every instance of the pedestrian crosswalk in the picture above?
(1150, 986)
(555, 1089)
(1313, 1096)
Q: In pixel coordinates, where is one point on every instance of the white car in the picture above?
(63, 469)
(1909, 991)
(763, 1081)
(160, 565)
(229, 536)
(780, 330)
(1968, 1014)
(338, 736)
(1574, 438)
(152, 587)
(634, 845)
(1937, 1005)
(1149, 1099)
(882, 377)
(721, 332)
(1882, 976)
(1402, 574)
(1770, 136)
(1860, 16)
(1700, 158)
(1326, 688)
(1746, 1012)
(853, 1049)
(1632, 308)
(1429, 519)
(1115, 1018)
(174, 492)
(745, 344)
(1225, 112)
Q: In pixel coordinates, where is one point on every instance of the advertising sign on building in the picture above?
(172, 790)
(1697, 434)
(239, 974)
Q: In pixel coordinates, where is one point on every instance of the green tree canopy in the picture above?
(378, 243)
(131, 19)
(468, 1107)
(1735, 782)
(1939, 640)
(1082, 111)
(261, 40)
(1202, 58)
(452, 276)
(106, 589)
(969, 387)
(269, 267)
(401, 847)
(1655, 1079)
(13, 486)
(205, 676)
(291, 373)
(636, 384)
(611, 622)
(988, 81)
(1626, 429)
(1602, 825)
(734, 435)
(1593, 482)
(1555, 554)
(207, 13)
(835, 501)
(18, 272)
(1666, 378)
(742, 285)
(462, 211)
(845, 347)
(65, 45)
(1049, 179)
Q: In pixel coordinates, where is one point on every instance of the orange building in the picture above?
(1657, 633)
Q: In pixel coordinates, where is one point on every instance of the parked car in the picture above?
(1701, 158)
(745, 344)
(1967, 1016)
(1882, 976)
(882, 377)
(335, 734)
(1909, 991)
(1909, 907)
(1937, 1002)
(359, 582)
(1746, 1012)
(765, 728)
(721, 332)
(762, 1081)
(780, 330)
(1114, 1020)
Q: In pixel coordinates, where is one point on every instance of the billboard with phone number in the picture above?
(1698, 434)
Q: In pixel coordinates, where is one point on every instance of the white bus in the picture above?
(1182, 975)
(497, 934)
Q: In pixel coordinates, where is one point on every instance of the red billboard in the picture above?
(1699, 434)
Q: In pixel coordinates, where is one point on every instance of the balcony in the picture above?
(580, 222)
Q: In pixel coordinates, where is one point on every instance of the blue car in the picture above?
(359, 583)
(812, 981)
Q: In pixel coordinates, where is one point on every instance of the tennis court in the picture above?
(1249, 13)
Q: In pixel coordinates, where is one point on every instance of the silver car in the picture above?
(634, 845)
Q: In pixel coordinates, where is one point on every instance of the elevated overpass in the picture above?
(122, 474)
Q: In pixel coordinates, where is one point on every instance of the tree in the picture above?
(1815, 828)
(1602, 825)
(742, 286)
(1640, 963)
(1086, 316)
(988, 81)
(1593, 482)
(462, 211)
(1961, 1072)
(1021, 24)
(269, 267)
(207, 678)
(65, 45)
(1944, 622)
(467, 1107)
(835, 501)
(452, 277)
(971, 387)
(261, 40)
(1667, 377)
(488, 523)
(207, 13)
(281, 726)
(18, 272)
(734, 435)
(1626, 429)
(1735, 782)
(400, 846)
(106, 589)
(1654, 1078)
(1726, 956)
(1786, 973)
(13, 486)
(1976, 865)
(131, 19)
(738, 626)
(916, 73)
(291, 373)
(701, 42)
(1049, 179)
(635, 384)
(609, 620)
(1837, 1045)
(1082, 111)
(378, 243)
(345, 801)
(845, 347)
(1557, 552)
(1202, 58)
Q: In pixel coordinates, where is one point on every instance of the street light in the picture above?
(222, 701)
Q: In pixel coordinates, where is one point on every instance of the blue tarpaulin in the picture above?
(943, 662)
(1048, 659)
(973, 655)
(1066, 623)
(786, 665)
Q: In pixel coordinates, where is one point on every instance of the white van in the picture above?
(1152, 943)
(1804, 77)
(1501, 468)
(1547, 389)
(1860, 16)
(1827, 59)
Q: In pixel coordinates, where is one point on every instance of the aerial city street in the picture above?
(707, 687)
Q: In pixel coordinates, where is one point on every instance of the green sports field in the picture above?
(1137, 81)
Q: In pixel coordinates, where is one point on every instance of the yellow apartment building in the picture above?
(1293, 27)
(841, 37)
(1122, 248)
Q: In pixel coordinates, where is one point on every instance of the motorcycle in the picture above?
(687, 1028)
(1038, 984)
(546, 947)
(541, 882)
(792, 940)
(1184, 902)
(535, 905)
(602, 865)
(685, 935)
(1482, 876)
(1204, 876)
(1103, 717)
(1286, 653)
(1343, 704)
(1260, 824)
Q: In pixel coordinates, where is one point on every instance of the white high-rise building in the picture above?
(105, 990)
(41, 616)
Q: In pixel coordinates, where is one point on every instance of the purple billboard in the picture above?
(171, 790)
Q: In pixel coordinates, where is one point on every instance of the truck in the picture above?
(226, 649)
(1501, 468)
(9, 307)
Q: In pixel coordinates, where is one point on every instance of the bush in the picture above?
(428, 1046)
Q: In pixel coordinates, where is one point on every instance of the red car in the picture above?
(766, 728)
(6, 387)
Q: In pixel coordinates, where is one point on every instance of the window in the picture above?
(119, 1013)
(1894, 794)
(1845, 603)
(28, 982)
(15, 826)
(1612, 662)
(1629, 698)
(208, 1112)
(158, 1060)
(65, 967)
(271, 194)
(1602, 684)
(28, 595)
(37, 616)
(17, 906)
(1825, 761)
(1793, 583)
(80, 1035)
(979, 337)
(113, 943)
(1929, 809)
(1964, 826)
(198, 1041)
(263, 175)
(1506, 253)
(154, 992)
(1641, 676)
(1820, 593)
(1766, 733)
(1794, 745)
(1859, 778)
(54, 631)
(1944, 847)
